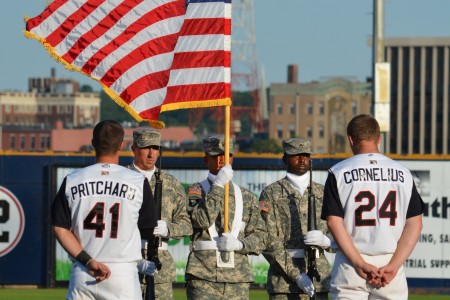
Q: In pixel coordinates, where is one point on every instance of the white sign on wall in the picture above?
(430, 258)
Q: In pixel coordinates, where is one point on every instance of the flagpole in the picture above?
(227, 161)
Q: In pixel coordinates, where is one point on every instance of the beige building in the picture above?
(44, 109)
(317, 110)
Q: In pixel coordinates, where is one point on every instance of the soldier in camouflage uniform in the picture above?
(284, 208)
(174, 223)
(205, 279)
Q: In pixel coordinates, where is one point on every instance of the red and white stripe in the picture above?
(153, 55)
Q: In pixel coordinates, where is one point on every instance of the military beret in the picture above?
(215, 146)
(297, 146)
(146, 137)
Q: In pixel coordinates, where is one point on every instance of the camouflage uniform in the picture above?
(174, 213)
(285, 212)
(201, 267)
(204, 279)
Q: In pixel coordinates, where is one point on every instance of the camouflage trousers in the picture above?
(319, 296)
(163, 291)
(197, 289)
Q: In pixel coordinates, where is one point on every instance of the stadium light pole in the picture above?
(380, 75)
(377, 43)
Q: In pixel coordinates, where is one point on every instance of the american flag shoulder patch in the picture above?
(264, 206)
(194, 191)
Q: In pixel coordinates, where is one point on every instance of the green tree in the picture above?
(177, 117)
(110, 110)
(264, 146)
(86, 88)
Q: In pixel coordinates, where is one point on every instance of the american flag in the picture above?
(149, 55)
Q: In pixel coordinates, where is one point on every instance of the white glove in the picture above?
(161, 229)
(228, 243)
(224, 176)
(305, 284)
(146, 267)
(317, 238)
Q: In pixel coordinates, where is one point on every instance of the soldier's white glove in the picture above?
(317, 238)
(146, 267)
(228, 243)
(224, 176)
(305, 284)
(161, 229)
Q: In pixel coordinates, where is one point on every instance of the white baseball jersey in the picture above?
(374, 195)
(105, 206)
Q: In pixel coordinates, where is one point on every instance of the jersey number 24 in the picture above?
(387, 208)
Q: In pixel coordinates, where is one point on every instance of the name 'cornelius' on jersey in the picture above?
(373, 174)
(103, 187)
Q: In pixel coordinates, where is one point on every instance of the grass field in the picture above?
(179, 294)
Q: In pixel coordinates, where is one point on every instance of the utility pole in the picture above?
(381, 74)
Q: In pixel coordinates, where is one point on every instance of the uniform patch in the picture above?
(195, 191)
(264, 206)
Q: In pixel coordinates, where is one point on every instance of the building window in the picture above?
(32, 142)
(280, 131)
(280, 108)
(309, 109)
(309, 132)
(292, 109)
(12, 142)
(321, 131)
(22, 142)
(48, 142)
(43, 140)
(321, 108)
(291, 130)
(354, 107)
(280, 134)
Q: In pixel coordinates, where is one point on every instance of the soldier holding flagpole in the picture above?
(209, 274)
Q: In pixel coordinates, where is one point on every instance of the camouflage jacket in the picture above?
(206, 210)
(285, 212)
(174, 213)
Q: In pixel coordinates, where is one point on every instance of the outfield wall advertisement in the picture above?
(430, 259)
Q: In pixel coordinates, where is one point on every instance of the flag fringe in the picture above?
(196, 104)
(116, 98)
(154, 123)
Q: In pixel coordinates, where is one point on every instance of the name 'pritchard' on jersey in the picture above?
(105, 206)
(374, 195)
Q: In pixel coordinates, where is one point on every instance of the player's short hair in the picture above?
(363, 128)
(107, 137)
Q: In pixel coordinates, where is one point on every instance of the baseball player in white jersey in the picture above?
(374, 212)
(98, 216)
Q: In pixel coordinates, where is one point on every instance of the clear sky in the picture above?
(323, 37)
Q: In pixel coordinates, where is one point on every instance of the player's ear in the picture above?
(350, 140)
(379, 140)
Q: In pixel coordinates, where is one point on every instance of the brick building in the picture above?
(318, 110)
